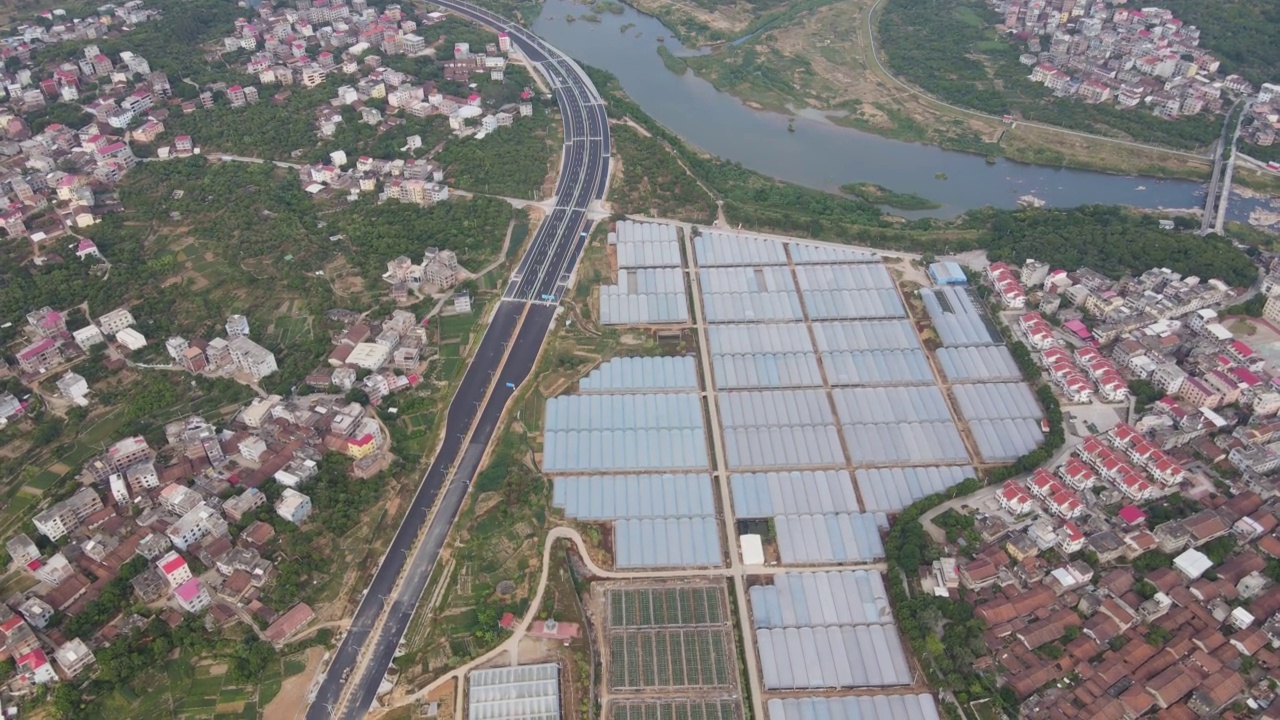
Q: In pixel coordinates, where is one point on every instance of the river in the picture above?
(821, 154)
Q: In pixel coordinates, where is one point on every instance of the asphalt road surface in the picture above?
(520, 324)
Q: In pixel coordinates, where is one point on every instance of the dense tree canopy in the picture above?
(1243, 34)
(1112, 241)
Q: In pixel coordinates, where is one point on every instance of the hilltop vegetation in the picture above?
(653, 182)
(1111, 240)
(950, 49)
(1244, 34)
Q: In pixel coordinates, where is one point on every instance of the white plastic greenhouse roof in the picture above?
(891, 404)
(762, 495)
(619, 308)
(524, 692)
(1006, 440)
(832, 657)
(758, 337)
(806, 254)
(645, 296)
(667, 542)
(650, 374)
(844, 277)
(877, 367)
(645, 244)
(630, 411)
(766, 370)
(957, 320)
(997, 401)
(866, 335)
(905, 443)
(869, 303)
(775, 278)
(828, 538)
(864, 707)
(892, 489)
(774, 408)
(981, 363)
(827, 630)
(717, 248)
(751, 307)
(763, 448)
(611, 497)
(820, 599)
(643, 450)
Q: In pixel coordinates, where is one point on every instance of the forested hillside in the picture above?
(1244, 34)
(1112, 241)
(950, 49)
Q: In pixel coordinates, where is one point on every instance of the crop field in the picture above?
(669, 637)
(674, 709)
(663, 607)
(684, 658)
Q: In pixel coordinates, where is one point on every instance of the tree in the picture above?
(67, 703)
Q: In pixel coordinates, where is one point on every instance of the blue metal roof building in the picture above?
(947, 273)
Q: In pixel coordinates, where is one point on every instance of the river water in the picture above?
(819, 153)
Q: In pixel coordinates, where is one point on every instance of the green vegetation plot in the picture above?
(279, 128)
(511, 161)
(471, 227)
(653, 182)
(1244, 35)
(171, 44)
(674, 64)
(936, 45)
(880, 195)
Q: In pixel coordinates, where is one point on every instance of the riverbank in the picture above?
(823, 61)
(823, 155)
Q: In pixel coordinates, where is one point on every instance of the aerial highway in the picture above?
(503, 360)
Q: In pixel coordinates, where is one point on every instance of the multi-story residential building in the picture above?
(36, 668)
(293, 506)
(129, 451)
(198, 522)
(73, 657)
(218, 353)
(39, 356)
(1271, 310)
(74, 388)
(87, 337)
(173, 567)
(440, 268)
(179, 499)
(141, 476)
(192, 596)
(115, 321)
(48, 323)
(22, 549)
(63, 517)
(237, 326)
(252, 358)
(244, 503)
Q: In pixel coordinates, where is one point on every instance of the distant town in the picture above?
(1106, 52)
(60, 179)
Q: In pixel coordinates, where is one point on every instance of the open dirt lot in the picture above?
(293, 692)
(728, 18)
